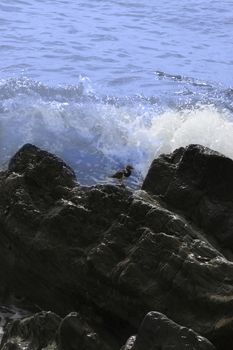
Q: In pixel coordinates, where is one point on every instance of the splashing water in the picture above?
(205, 125)
(96, 135)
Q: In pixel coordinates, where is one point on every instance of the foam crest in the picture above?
(132, 138)
(205, 125)
(97, 136)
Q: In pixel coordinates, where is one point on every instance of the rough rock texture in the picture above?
(46, 330)
(114, 255)
(158, 332)
(198, 182)
(34, 332)
(74, 333)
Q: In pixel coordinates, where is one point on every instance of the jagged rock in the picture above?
(114, 255)
(157, 332)
(32, 333)
(198, 182)
(74, 333)
(30, 161)
(46, 330)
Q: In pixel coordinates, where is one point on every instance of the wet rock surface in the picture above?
(113, 255)
(158, 332)
(33, 332)
(198, 182)
(46, 330)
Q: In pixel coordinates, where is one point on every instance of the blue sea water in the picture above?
(104, 83)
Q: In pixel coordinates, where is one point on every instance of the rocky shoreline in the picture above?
(118, 269)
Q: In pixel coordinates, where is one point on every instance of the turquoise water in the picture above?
(106, 83)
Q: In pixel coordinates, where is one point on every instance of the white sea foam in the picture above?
(96, 137)
(205, 125)
(130, 137)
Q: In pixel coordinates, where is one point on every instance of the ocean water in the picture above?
(105, 83)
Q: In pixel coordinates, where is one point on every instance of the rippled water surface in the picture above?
(109, 82)
(117, 44)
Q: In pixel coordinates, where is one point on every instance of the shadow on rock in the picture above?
(114, 255)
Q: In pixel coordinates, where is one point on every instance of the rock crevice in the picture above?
(114, 255)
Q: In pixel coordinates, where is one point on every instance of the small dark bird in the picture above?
(126, 172)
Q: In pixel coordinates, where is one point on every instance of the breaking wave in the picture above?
(97, 135)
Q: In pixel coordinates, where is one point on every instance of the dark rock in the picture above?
(74, 333)
(157, 332)
(46, 330)
(30, 161)
(32, 333)
(198, 182)
(114, 255)
(11, 346)
(161, 172)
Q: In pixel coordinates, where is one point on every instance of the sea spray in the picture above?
(205, 125)
(97, 135)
